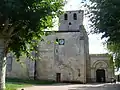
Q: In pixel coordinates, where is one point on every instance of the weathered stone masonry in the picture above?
(65, 56)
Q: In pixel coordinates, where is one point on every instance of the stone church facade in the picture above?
(64, 56)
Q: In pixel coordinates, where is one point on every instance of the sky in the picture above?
(95, 43)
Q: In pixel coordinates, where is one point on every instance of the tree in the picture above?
(105, 18)
(114, 49)
(22, 22)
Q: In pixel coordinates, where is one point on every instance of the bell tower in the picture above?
(71, 20)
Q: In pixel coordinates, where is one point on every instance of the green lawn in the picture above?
(13, 84)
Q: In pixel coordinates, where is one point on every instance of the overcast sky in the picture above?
(95, 42)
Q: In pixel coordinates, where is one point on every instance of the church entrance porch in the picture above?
(100, 75)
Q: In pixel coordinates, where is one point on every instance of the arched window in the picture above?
(65, 17)
(75, 16)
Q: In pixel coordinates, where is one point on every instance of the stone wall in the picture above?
(23, 69)
(70, 23)
(17, 69)
(69, 59)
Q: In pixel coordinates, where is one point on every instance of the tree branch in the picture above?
(5, 26)
(11, 30)
(14, 34)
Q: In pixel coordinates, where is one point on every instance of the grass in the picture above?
(14, 86)
(13, 83)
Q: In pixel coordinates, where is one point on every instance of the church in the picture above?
(64, 56)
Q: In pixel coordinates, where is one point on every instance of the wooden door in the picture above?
(100, 75)
(58, 77)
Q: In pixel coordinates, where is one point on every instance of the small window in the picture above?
(65, 17)
(56, 50)
(57, 40)
(75, 16)
(70, 23)
(78, 72)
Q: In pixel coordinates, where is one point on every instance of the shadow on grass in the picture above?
(29, 82)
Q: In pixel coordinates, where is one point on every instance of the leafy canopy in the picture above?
(105, 18)
(104, 15)
(23, 21)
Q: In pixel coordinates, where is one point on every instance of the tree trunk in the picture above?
(2, 64)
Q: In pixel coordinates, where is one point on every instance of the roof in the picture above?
(104, 54)
(75, 11)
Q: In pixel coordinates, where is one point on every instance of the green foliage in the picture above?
(114, 48)
(105, 18)
(104, 15)
(22, 22)
(111, 62)
(14, 86)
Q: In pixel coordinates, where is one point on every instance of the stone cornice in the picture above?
(96, 55)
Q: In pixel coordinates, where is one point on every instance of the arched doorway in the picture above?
(100, 75)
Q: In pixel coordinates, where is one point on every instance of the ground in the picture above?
(106, 86)
(14, 83)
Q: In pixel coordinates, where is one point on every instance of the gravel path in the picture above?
(106, 86)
